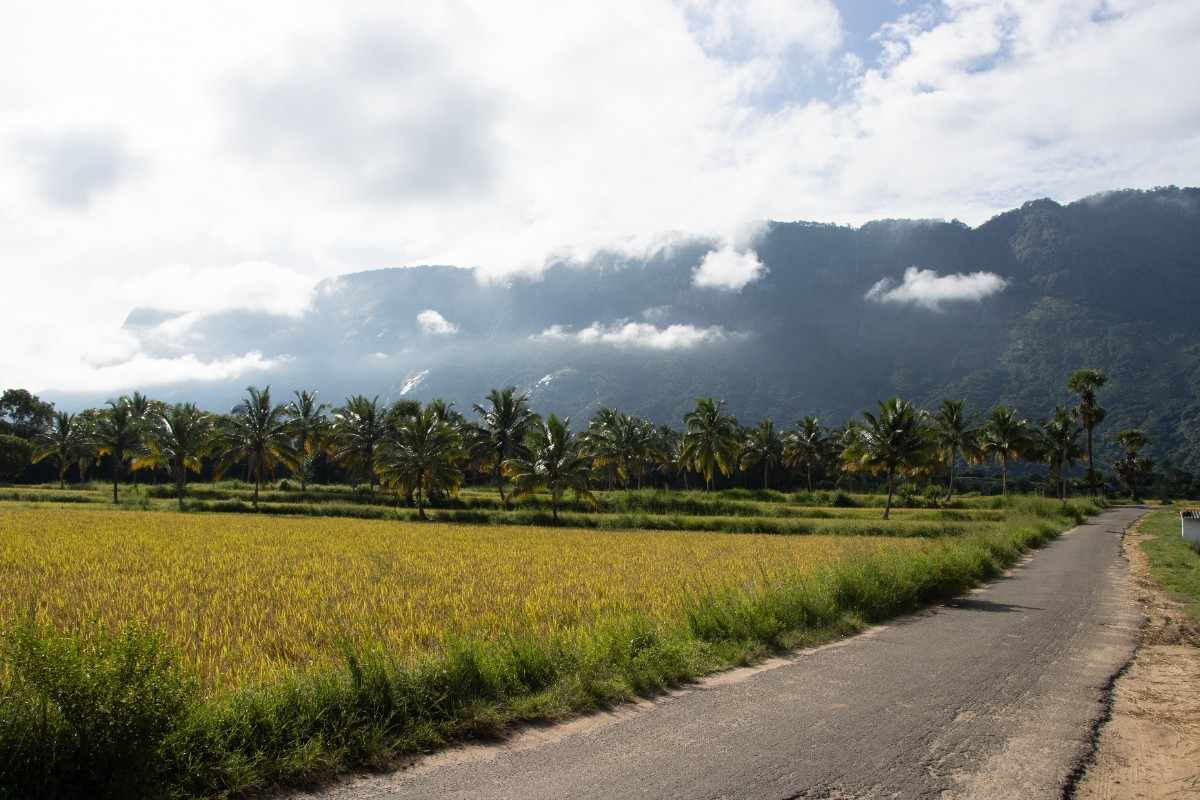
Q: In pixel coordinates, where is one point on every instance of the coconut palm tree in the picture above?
(1133, 468)
(710, 443)
(1086, 383)
(805, 446)
(954, 436)
(258, 433)
(117, 433)
(143, 410)
(310, 426)
(622, 444)
(762, 446)
(422, 457)
(1004, 437)
(358, 429)
(896, 440)
(505, 418)
(63, 440)
(1059, 446)
(555, 461)
(180, 434)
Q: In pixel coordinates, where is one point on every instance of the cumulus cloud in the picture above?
(637, 334)
(141, 370)
(433, 323)
(927, 289)
(726, 268)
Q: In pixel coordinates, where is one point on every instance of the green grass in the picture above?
(1174, 563)
(96, 713)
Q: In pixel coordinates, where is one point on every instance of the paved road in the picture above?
(991, 696)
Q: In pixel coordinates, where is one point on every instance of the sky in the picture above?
(226, 155)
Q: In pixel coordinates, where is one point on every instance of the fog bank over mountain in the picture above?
(812, 319)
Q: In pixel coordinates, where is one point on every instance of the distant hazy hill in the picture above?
(1109, 281)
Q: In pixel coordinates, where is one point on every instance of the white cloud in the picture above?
(637, 334)
(248, 286)
(925, 288)
(508, 134)
(141, 371)
(726, 268)
(433, 323)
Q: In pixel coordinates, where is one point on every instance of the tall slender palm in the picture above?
(1086, 383)
(358, 429)
(762, 446)
(62, 440)
(954, 436)
(1059, 445)
(117, 433)
(896, 440)
(258, 433)
(181, 434)
(805, 446)
(310, 426)
(505, 418)
(710, 443)
(422, 456)
(1004, 437)
(555, 461)
(142, 408)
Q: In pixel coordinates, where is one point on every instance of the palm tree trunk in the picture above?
(887, 510)
(1004, 477)
(808, 470)
(953, 464)
(764, 475)
(421, 500)
(1091, 465)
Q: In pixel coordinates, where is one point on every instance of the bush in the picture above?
(88, 715)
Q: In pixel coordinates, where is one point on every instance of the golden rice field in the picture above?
(244, 597)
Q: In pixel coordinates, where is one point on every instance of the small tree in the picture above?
(1133, 468)
(181, 434)
(710, 443)
(897, 440)
(117, 433)
(1059, 446)
(806, 446)
(555, 461)
(310, 426)
(15, 455)
(63, 441)
(1004, 437)
(763, 446)
(422, 457)
(256, 432)
(504, 419)
(358, 429)
(954, 436)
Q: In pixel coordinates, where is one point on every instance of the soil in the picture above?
(1150, 748)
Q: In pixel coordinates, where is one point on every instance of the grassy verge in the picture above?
(98, 713)
(1174, 564)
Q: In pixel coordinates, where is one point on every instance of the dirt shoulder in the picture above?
(1150, 748)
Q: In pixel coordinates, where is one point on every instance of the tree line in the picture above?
(423, 451)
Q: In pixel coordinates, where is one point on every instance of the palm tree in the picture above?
(762, 446)
(62, 440)
(505, 418)
(710, 444)
(555, 461)
(1059, 446)
(805, 447)
(1132, 466)
(1085, 383)
(358, 429)
(622, 444)
(143, 409)
(896, 440)
(422, 457)
(258, 433)
(310, 426)
(954, 436)
(117, 434)
(1004, 437)
(181, 434)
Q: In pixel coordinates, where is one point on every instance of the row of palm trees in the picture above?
(424, 451)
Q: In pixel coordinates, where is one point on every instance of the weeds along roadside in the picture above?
(100, 713)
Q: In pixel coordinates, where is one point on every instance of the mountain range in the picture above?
(832, 319)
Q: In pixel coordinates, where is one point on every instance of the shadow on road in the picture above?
(973, 604)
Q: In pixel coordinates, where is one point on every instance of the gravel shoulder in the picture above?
(1150, 748)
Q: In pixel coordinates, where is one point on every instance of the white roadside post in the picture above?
(1189, 521)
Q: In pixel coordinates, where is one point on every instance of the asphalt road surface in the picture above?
(993, 695)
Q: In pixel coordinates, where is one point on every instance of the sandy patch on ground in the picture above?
(1151, 746)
